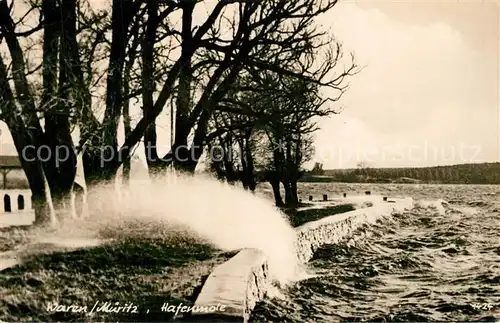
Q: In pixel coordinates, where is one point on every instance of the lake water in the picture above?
(26, 216)
(421, 265)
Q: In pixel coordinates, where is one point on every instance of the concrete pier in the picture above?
(242, 281)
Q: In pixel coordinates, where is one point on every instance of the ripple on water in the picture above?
(418, 266)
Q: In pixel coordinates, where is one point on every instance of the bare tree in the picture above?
(21, 112)
(277, 36)
(317, 168)
(283, 109)
(195, 66)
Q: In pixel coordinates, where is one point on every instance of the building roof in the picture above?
(10, 162)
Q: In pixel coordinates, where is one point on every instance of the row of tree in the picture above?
(481, 173)
(248, 70)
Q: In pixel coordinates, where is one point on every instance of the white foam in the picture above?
(437, 205)
(196, 206)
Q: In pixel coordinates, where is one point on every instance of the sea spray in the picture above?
(438, 205)
(226, 216)
(425, 263)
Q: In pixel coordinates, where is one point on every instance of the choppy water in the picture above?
(422, 265)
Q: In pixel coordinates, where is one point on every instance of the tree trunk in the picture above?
(293, 187)
(216, 166)
(249, 172)
(151, 150)
(275, 184)
(279, 174)
(247, 175)
(44, 212)
(180, 156)
(51, 34)
(290, 177)
(25, 141)
(126, 129)
(123, 12)
(102, 158)
(186, 159)
(34, 173)
(148, 87)
(289, 196)
(227, 144)
(60, 169)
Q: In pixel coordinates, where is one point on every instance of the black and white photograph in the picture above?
(249, 161)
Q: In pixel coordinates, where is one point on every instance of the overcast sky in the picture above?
(429, 91)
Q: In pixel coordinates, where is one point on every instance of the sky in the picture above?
(429, 90)
(428, 93)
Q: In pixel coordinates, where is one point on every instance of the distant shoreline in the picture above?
(475, 174)
(335, 181)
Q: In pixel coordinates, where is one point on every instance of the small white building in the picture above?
(15, 195)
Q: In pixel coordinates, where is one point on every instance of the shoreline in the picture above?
(143, 272)
(243, 281)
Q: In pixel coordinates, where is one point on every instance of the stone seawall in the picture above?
(328, 230)
(242, 281)
(238, 284)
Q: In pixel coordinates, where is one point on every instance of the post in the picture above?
(310, 198)
(325, 197)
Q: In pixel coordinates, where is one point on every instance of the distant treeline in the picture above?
(485, 173)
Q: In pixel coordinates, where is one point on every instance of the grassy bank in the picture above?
(10, 237)
(145, 265)
(145, 272)
(299, 217)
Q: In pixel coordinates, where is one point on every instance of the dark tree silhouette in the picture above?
(192, 69)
